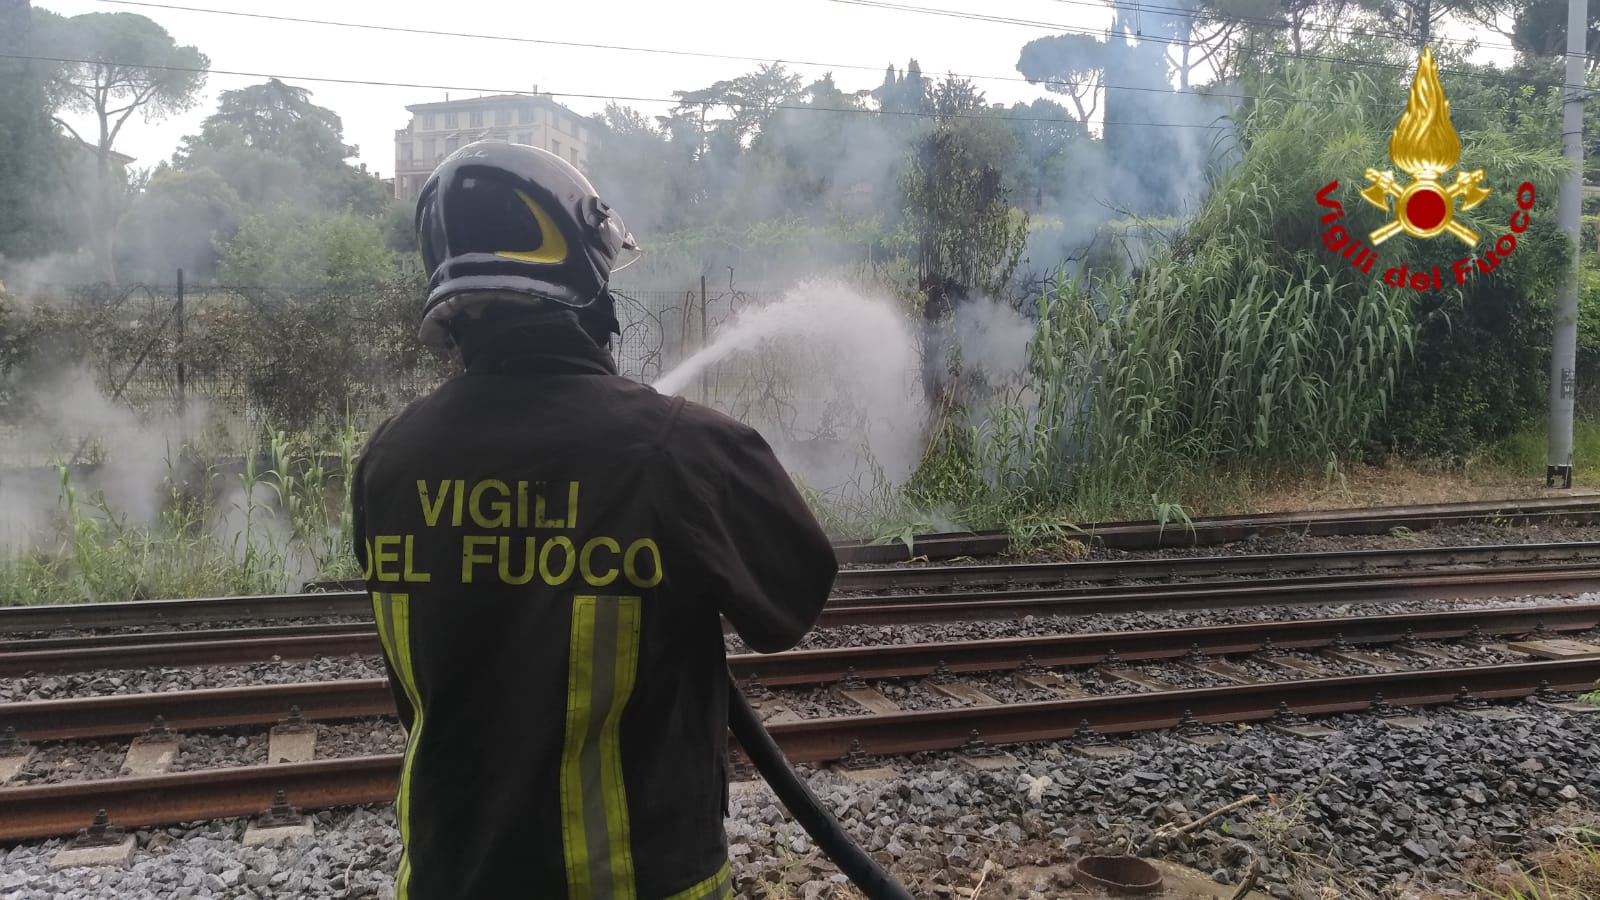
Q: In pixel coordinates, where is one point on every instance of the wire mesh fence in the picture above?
(79, 363)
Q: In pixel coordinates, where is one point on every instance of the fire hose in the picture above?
(825, 830)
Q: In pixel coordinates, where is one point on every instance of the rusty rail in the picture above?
(42, 811)
(925, 609)
(825, 740)
(946, 577)
(886, 609)
(123, 715)
(196, 647)
(61, 809)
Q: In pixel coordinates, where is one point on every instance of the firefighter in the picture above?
(549, 546)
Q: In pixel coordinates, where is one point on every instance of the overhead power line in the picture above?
(1073, 29)
(1263, 22)
(985, 115)
(366, 26)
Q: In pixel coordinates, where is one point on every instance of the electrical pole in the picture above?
(1564, 353)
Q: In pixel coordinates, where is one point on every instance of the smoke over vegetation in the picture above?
(827, 373)
(962, 309)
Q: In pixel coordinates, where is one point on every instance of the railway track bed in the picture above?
(950, 717)
(908, 698)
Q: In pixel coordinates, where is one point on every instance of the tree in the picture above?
(1045, 135)
(122, 63)
(1069, 64)
(181, 220)
(274, 127)
(969, 239)
(636, 169)
(30, 223)
(307, 250)
(1539, 28)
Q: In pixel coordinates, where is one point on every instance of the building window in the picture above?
(451, 144)
(450, 120)
(476, 118)
(502, 117)
(524, 116)
(525, 137)
(405, 151)
(555, 147)
(574, 154)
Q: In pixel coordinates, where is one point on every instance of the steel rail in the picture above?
(906, 578)
(1147, 535)
(822, 666)
(1464, 507)
(64, 616)
(191, 648)
(33, 812)
(196, 648)
(1010, 605)
(1296, 583)
(825, 740)
(1202, 530)
(123, 715)
(840, 611)
(1141, 537)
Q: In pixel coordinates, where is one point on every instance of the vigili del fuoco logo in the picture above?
(1425, 146)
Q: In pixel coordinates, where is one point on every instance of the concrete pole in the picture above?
(1564, 352)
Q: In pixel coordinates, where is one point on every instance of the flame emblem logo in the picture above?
(1425, 146)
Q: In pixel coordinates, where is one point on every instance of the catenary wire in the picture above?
(987, 116)
(707, 55)
(1262, 22)
(367, 26)
(1055, 26)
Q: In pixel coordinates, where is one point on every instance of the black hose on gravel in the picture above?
(862, 870)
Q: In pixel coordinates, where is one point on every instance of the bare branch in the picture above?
(70, 130)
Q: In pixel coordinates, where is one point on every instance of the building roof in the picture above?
(121, 159)
(485, 101)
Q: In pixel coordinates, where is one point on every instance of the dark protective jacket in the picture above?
(548, 546)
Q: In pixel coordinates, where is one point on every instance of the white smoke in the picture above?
(828, 374)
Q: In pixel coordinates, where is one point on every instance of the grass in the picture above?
(1567, 869)
(267, 528)
(1526, 453)
(254, 531)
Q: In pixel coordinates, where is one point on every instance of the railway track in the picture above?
(1201, 531)
(29, 812)
(51, 810)
(1209, 530)
(128, 715)
(1478, 563)
(52, 656)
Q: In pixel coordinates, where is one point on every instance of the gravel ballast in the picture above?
(1373, 806)
(145, 681)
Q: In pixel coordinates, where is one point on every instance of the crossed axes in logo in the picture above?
(1466, 187)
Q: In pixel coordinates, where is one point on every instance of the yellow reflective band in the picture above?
(603, 659)
(552, 243)
(394, 629)
(717, 887)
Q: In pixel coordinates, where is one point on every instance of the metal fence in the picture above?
(78, 363)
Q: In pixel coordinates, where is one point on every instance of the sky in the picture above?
(855, 42)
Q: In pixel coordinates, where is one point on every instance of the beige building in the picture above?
(439, 129)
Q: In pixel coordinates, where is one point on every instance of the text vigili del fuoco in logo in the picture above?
(1425, 146)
